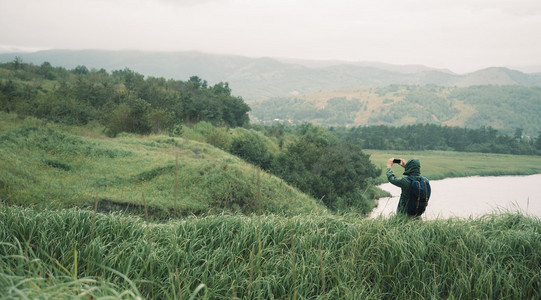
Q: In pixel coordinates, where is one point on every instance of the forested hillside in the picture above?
(505, 108)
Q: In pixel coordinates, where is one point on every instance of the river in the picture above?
(473, 196)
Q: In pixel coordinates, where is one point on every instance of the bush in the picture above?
(161, 120)
(132, 116)
(63, 110)
(219, 138)
(252, 148)
(117, 120)
(176, 130)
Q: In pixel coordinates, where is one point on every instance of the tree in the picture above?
(221, 89)
(233, 111)
(538, 142)
(518, 133)
(47, 71)
(139, 116)
(196, 83)
(17, 63)
(132, 80)
(290, 168)
(80, 70)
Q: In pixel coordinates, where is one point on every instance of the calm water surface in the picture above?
(473, 196)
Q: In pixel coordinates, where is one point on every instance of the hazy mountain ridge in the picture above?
(258, 78)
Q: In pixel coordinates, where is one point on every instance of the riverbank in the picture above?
(473, 197)
(450, 164)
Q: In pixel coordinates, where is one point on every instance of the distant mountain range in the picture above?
(259, 78)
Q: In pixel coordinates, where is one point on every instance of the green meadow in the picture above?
(85, 216)
(445, 164)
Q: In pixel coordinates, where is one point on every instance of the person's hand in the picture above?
(390, 162)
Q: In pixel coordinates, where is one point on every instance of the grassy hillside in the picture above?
(53, 166)
(502, 107)
(77, 254)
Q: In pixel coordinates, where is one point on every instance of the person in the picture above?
(412, 168)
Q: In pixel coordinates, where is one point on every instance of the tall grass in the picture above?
(75, 252)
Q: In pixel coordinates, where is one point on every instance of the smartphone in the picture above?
(396, 161)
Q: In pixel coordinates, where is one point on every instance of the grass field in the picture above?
(444, 164)
(72, 253)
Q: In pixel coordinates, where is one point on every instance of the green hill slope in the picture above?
(44, 164)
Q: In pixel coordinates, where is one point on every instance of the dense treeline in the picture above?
(437, 137)
(122, 101)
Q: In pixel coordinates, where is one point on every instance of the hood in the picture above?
(413, 167)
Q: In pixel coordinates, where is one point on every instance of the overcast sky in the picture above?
(460, 35)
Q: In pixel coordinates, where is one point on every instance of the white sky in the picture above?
(460, 35)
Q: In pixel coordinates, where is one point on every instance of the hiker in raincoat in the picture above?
(412, 168)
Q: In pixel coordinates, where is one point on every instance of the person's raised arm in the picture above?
(400, 182)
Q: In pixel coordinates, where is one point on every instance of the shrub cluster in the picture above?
(313, 159)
